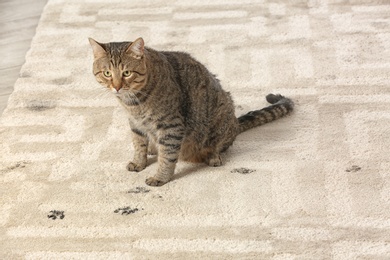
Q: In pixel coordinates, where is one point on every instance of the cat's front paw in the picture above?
(134, 167)
(152, 181)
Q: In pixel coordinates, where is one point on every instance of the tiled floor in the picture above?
(18, 21)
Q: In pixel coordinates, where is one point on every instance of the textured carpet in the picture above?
(314, 185)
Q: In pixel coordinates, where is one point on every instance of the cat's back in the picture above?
(180, 60)
(189, 71)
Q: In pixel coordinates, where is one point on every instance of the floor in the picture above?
(18, 21)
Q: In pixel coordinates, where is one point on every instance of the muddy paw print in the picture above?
(353, 168)
(139, 190)
(54, 214)
(17, 165)
(242, 170)
(126, 210)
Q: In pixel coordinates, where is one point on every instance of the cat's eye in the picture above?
(126, 73)
(107, 73)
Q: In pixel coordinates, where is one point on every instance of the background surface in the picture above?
(18, 21)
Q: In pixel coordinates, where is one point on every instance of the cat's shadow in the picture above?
(189, 168)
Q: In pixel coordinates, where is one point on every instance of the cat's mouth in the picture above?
(127, 97)
(119, 92)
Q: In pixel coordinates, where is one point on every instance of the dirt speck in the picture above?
(40, 105)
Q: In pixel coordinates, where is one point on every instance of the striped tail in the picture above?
(280, 106)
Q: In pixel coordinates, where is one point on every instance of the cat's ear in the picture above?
(98, 50)
(137, 48)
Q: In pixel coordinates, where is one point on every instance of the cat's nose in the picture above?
(117, 88)
(116, 84)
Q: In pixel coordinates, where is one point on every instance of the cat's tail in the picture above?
(280, 106)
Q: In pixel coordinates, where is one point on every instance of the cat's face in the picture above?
(120, 66)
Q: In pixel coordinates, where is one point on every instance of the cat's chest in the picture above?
(142, 120)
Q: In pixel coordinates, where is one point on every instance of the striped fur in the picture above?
(176, 107)
(280, 107)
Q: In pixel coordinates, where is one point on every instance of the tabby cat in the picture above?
(176, 107)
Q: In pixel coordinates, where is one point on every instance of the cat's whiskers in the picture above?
(104, 93)
(100, 93)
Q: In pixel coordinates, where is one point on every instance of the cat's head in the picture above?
(120, 66)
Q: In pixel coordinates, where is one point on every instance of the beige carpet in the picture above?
(314, 185)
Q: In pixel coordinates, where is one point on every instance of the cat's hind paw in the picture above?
(215, 161)
(152, 149)
(133, 167)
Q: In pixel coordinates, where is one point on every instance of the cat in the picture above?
(176, 107)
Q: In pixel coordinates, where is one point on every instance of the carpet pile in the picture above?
(313, 185)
